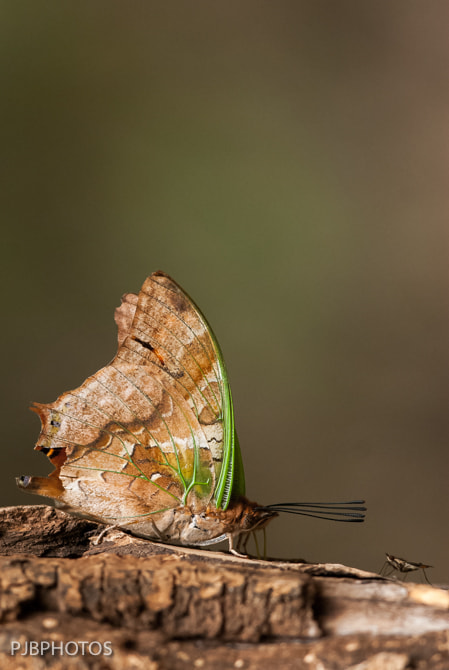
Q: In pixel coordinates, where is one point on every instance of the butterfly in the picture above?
(401, 565)
(148, 443)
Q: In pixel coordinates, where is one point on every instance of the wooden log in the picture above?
(158, 606)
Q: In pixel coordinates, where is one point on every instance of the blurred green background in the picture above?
(287, 163)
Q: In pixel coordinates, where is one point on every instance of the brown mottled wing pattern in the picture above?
(144, 434)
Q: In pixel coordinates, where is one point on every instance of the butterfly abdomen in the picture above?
(242, 515)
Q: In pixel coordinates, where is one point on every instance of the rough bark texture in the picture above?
(166, 607)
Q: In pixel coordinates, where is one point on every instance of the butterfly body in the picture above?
(148, 442)
(184, 526)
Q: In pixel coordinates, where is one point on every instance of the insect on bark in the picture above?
(401, 565)
(148, 443)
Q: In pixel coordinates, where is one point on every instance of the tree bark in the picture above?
(159, 606)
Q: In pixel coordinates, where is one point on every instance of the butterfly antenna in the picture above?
(352, 511)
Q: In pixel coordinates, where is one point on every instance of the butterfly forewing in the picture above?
(167, 320)
(145, 433)
(170, 333)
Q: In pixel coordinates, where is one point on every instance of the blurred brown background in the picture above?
(287, 163)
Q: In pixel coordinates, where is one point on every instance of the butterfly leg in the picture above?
(100, 537)
(426, 578)
(243, 542)
(230, 537)
(161, 537)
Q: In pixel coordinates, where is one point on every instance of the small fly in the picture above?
(402, 565)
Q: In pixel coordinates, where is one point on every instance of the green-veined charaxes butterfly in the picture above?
(148, 443)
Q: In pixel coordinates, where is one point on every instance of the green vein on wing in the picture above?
(104, 451)
(113, 393)
(88, 446)
(193, 482)
(175, 448)
(127, 474)
(73, 463)
(223, 487)
(118, 423)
